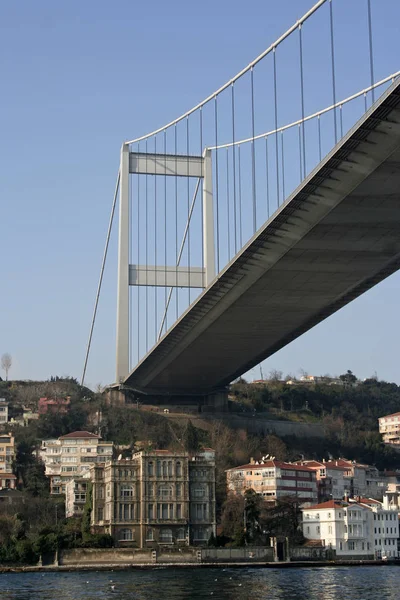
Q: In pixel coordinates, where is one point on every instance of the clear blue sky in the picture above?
(78, 78)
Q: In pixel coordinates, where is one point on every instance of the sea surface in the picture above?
(331, 583)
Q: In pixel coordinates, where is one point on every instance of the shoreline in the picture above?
(191, 565)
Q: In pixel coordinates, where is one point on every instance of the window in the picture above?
(164, 468)
(318, 529)
(150, 511)
(179, 511)
(329, 515)
(150, 468)
(350, 545)
(307, 530)
(178, 489)
(165, 535)
(179, 469)
(159, 468)
(164, 511)
(200, 533)
(149, 535)
(126, 491)
(100, 514)
(198, 492)
(125, 512)
(330, 529)
(165, 491)
(170, 468)
(181, 534)
(125, 535)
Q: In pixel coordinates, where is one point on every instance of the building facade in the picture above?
(75, 496)
(389, 428)
(331, 479)
(71, 456)
(156, 498)
(3, 411)
(7, 456)
(274, 479)
(54, 405)
(363, 528)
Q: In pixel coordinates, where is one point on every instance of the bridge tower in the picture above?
(141, 163)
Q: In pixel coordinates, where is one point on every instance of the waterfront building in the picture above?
(71, 456)
(273, 479)
(361, 528)
(156, 498)
(389, 428)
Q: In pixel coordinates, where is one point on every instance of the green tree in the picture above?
(191, 438)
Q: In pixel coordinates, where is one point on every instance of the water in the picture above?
(353, 583)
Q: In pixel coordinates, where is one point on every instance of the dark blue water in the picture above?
(352, 583)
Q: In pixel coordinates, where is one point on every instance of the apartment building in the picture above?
(274, 479)
(362, 528)
(3, 411)
(7, 454)
(75, 496)
(360, 480)
(389, 428)
(156, 498)
(71, 456)
(331, 479)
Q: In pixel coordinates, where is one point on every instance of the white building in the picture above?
(71, 456)
(363, 529)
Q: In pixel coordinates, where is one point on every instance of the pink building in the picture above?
(54, 405)
(274, 479)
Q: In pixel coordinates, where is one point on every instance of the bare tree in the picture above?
(6, 362)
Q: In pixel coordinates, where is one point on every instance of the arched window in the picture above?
(149, 534)
(126, 491)
(170, 468)
(150, 468)
(165, 535)
(181, 535)
(179, 469)
(159, 468)
(164, 468)
(125, 535)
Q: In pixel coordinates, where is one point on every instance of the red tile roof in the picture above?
(79, 434)
(329, 504)
(272, 463)
(368, 501)
(392, 415)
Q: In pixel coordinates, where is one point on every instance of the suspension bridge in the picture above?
(239, 231)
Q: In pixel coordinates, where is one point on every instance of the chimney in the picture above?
(252, 460)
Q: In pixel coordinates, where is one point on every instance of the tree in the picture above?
(348, 378)
(274, 446)
(191, 437)
(6, 362)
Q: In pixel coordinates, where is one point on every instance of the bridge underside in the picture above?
(337, 236)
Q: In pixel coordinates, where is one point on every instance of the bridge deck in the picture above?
(334, 238)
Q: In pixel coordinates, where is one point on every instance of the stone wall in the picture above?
(248, 554)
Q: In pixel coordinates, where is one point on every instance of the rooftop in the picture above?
(268, 464)
(329, 504)
(79, 434)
